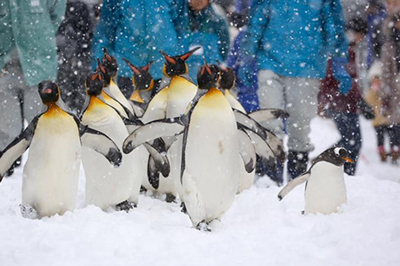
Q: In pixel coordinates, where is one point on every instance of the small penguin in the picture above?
(105, 186)
(55, 136)
(144, 87)
(325, 189)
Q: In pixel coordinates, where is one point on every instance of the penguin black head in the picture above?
(142, 79)
(110, 64)
(49, 91)
(208, 76)
(176, 65)
(228, 78)
(337, 156)
(94, 83)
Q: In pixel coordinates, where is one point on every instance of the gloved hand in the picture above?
(340, 74)
(365, 109)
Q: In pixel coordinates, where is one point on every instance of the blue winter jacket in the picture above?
(139, 29)
(295, 37)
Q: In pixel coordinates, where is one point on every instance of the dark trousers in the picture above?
(348, 125)
(393, 131)
(394, 135)
(381, 131)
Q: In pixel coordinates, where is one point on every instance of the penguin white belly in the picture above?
(50, 178)
(326, 189)
(180, 93)
(234, 102)
(211, 176)
(116, 92)
(246, 180)
(107, 186)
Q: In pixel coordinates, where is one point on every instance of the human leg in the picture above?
(348, 125)
(271, 95)
(380, 135)
(302, 105)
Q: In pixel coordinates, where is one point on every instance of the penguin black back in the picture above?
(176, 65)
(337, 156)
(208, 76)
(48, 91)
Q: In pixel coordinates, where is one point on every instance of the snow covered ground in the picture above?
(257, 230)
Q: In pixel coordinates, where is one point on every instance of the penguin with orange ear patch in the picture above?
(55, 137)
(105, 186)
(208, 175)
(110, 70)
(172, 100)
(144, 87)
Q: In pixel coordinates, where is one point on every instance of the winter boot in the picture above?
(395, 155)
(382, 153)
(297, 163)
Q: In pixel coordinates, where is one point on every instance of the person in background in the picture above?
(138, 30)
(74, 39)
(374, 98)
(291, 42)
(343, 109)
(247, 95)
(28, 55)
(391, 81)
(376, 14)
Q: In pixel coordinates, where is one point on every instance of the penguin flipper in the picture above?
(153, 174)
(268, 114)
(160, 159)
(263, 149)
(127, 111)
(17, 147)
(153, 130)
(139, 111)
(101, 143)
(292, 184)
(247, 151)
(273, 141)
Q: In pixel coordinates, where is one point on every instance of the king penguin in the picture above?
(209, 158)
(325, 189)
(172, 100)
(50, 177)
(110, 65)
(106, 186)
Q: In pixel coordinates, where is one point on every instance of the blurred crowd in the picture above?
(338, 59)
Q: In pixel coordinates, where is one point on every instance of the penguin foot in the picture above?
(29, 212)
(183, 208)
(203, 226)
(170, 198)
(143, 189)
(125, 206)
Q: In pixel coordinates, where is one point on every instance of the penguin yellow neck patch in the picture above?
(136, 97)
(54, 110)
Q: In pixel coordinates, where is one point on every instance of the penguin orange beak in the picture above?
(47, 91)
(132, 66)
(347, 159)
(147, 67)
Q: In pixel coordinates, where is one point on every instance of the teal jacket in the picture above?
(139, 29)
(30, 27)
(295, 37)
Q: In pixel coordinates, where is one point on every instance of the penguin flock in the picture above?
(172, 137)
